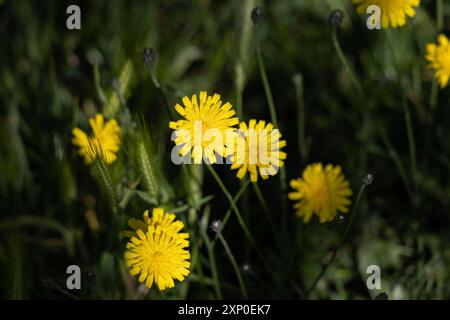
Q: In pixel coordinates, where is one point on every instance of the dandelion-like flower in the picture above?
(167, 222)
(257, 150)
(393, 12)
(323, 191)
(104, 141)
(158, 257)
(439, 57)
(205, 126)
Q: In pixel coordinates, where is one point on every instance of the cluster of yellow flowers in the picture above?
(208, 130)
(157, 249)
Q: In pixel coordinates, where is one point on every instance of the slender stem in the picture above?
(411, 140)
(265, 208)
(235, 265)
(352, 216)
(345, 63)
(235, 199)
(344, 238)
(262, 70)
(161, 93)
(274, 119)
(434, 95)
(397, 161)
(233, 205)
(298, 82)
(238, 215)
(439, 15)
(212, 263)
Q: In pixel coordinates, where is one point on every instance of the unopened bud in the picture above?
(149, 56)
(368, 179)
(257, 15)
(336, 17)
(216, 226)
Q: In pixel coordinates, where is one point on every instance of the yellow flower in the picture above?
(104, 142)
(393, 12)
(167, 222)
(439, 58)
(204, 127)
(258, 150)
(321, 191)
(158, 256)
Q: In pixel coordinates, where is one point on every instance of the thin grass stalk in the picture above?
(212, 263)
(439, 15)
(344, 239)
(234, 206)
(411, 140)
(234, 264)
(273, 116)
(301, 135)
(265, 208)
(345, 63)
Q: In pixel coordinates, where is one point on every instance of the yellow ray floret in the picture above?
(393, 12)
(158, 257)
(167, 221)
(204, 128)
(322, 191)
(258, 150)
(104, 141)
(438, 55)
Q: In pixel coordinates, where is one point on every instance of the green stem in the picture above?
(439, 15)
(262, 70)
(273, 116)
(98, 87)
(212, 263)
(235, 265)
(298, 82)
(344, 238)
(235, 200)
(398, 163)
(239, 216)
(265, 208)
(434, 95)
(411, 140)
(345, 63)
(233, 205)
(161, 93)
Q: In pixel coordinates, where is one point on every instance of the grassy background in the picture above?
(52, 79)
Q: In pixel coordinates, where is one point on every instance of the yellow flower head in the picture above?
(321, 191)
(393, 12)
(104, 141)
(204, 127)
(167, 222)
(439, 57)
(158, 256)
(257, 149)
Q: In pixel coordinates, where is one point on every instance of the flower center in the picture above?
(158, 257)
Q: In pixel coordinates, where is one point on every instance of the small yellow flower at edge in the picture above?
(104, 141)
(438, 55)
